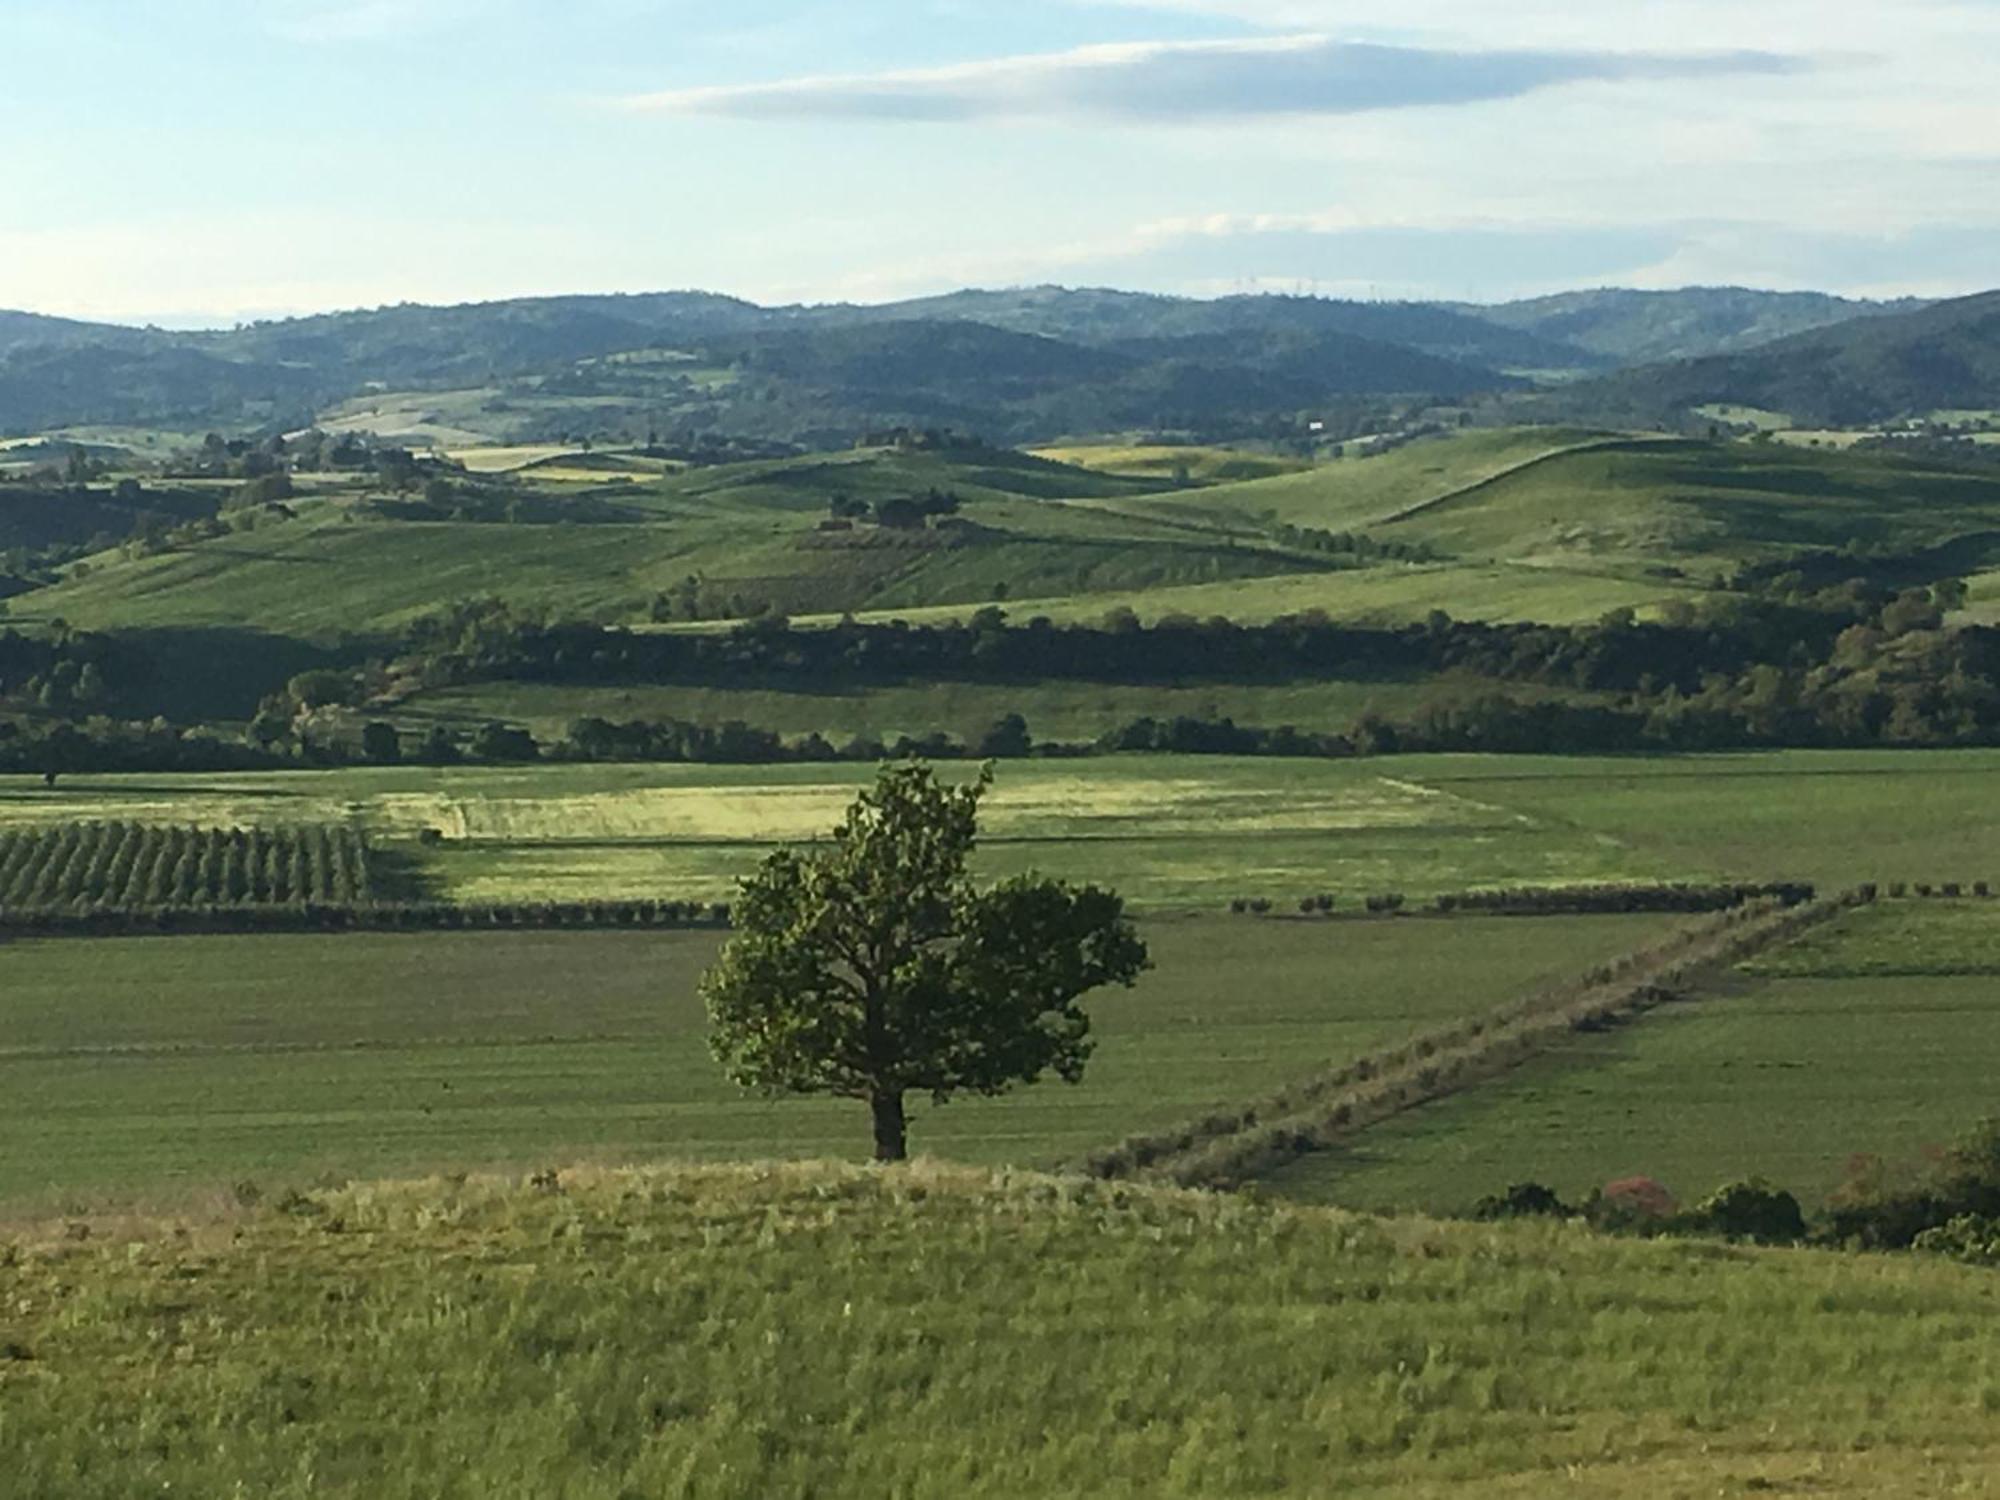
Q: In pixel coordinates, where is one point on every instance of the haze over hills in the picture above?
(1944, 357)
(1032, 364)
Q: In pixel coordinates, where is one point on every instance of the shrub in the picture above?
(1524, 1200)
(1631, 1203)
(1973, 1238)
(1751, 1210)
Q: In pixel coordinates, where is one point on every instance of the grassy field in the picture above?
(1873, 1037)
(1364, 494)
(1173, 833)
(775, 1333)
(149, 1064)
(1199, 465)
(1391, 594)
(1534, 524)
(1554, 495)
(749, 532)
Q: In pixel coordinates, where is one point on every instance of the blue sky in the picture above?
(206, 160)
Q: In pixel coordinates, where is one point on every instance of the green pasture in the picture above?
(749, 532)
(1387, 594)
(1365, 494)
(150, 1064)
(745, 1333)
(1550, 494)
(1535, 524)
(1873, 1038)
(1171, 461)
(1171, 832)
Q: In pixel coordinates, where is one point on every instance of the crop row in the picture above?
(86, 920)
(74, 867)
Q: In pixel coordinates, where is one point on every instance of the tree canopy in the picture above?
(869, 967)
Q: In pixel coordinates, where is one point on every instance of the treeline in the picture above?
(89, 867)
(55, 747)
(1562, 900)
(1949, 1206)
(84, 919)
(1859, 663)
(487, 641)
(64, 670)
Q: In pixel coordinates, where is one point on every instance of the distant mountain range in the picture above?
(1944, 357)
(1017, 365)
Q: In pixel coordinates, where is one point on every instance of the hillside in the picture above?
(1945, 357)
(1552, 524)
(742, 537)
(1554, 494)
(1025, 365)
(1013, 367)
(765, 1331)
(1626, 327)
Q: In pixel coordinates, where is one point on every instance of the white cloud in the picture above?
(1179, 81)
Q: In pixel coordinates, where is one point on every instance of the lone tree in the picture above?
(870, 968)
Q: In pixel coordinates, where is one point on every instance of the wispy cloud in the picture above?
(1292, 75)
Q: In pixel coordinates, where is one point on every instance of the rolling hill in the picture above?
(774, 1329)
(1555, 524)
(1027, 365)
(1624, 327)
(745, 537)
(1945, 357)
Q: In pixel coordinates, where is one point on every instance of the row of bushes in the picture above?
(92, 920)
(1229, 1148)
(1951, 1207)
(1751, 1210)
(1573, 900)
(1950, 890)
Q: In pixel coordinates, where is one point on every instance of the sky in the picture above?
(197, 162)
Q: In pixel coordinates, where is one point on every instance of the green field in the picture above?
(1872, 1038)
(1552, 524)
(1551, 495)
(1387, 594)
(149, 1065)
(750, 532)
(750, 1333)
(1200, 465)
(1174, 833)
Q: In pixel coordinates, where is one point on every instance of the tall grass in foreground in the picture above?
(811, 1330)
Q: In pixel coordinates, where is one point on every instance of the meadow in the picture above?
(1173, 833)
(1537, 523)
(158, 1066)
(1869, 1038)
(779, 1332)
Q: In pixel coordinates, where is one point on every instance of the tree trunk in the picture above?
(891, 1131)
